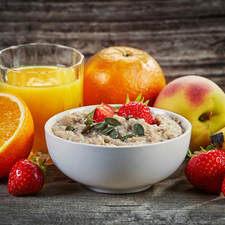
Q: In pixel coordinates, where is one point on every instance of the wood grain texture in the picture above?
(184, 36)
(63, 201)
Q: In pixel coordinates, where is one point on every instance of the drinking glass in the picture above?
(48, 77)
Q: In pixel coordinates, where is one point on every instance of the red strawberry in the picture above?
(206, 170)
(26, 177)
(103, 111)
(137, 110)
(223, 187)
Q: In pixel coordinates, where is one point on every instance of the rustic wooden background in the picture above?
(184, 36)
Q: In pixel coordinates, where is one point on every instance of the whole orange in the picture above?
(115, 72)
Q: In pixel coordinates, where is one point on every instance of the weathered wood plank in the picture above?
(62, 201)
(206, 25)
(110, 11)
(185, 37)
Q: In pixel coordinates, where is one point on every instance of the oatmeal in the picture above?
(117, 131)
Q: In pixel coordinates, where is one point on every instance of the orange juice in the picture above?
(47, 90)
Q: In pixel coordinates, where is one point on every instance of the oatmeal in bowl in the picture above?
(117, 130)
(119, 154)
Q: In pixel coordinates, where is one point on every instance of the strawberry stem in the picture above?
(190, 154)
(41, 165)
(209, 147)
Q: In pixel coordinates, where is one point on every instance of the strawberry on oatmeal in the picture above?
(116, 130)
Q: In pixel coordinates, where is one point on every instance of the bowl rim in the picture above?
(66, 112)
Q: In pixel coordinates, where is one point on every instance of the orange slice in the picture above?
(16, 131)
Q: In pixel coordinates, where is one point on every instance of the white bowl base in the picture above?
(118, 191)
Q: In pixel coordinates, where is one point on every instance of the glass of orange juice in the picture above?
(48, 77)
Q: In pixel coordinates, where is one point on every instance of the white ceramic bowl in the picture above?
(120, 169)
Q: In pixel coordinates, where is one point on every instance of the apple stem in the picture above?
(205, 116)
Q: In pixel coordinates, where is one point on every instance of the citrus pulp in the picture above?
(16, 131)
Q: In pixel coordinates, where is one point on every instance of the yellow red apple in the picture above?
(199, 100)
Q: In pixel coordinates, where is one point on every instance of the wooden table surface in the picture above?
(185, 37)
(63, 201)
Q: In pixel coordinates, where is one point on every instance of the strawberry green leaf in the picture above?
(42, 162)
(41, 165)
(138, 99)
(35, 160)
(127, 99)
(91, 114)
(210, 147)
(190, 154)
